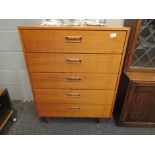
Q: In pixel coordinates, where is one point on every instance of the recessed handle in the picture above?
(74, 108)
(75, 95)
(73, 39)
(73, 79)
(73, 61)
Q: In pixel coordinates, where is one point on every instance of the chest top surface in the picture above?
(108, 28)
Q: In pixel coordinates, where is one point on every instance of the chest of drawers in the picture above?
(74, 71)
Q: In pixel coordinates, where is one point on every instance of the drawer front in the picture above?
(73, 41)
(44, 109)
(76, 110)
(89, 111)
(74, 80)
(62, 96)
(84, 63)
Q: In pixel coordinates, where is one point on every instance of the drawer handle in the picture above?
(73, 39)
(73, 79)
(74, 108)
(73, 95)
(73, 61)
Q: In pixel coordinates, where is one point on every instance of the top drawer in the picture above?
(73, 41)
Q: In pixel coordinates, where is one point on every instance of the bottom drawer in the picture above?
(74, 110)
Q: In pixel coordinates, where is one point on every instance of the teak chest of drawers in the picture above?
(74, 71)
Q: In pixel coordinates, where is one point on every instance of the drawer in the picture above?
(76, 110)
(74, 80)
(73, 41)
(44, 110)
(84, 63)
(64, 96)
(88, 111)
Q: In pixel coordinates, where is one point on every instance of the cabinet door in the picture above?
(141, 55)
(140, 107)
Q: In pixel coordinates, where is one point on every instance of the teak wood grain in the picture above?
(76, 110)
(86, 51)
(59, 96)
(74, 80)
(73, 41)
(82, 28)
(89, 63)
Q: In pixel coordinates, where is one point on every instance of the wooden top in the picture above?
(139, 76)
(1, 90)
(63, 27)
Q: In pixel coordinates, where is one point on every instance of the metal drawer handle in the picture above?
(73, 39)
(74, 108)
(73, 95)
(73, 61)
(73, 79)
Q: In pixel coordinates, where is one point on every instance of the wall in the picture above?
(13, 72)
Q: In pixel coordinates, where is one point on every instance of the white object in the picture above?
(51, 22)
(74, 22)
(113, 35)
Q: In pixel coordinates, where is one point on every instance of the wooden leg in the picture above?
(100, 120)
(47, 119)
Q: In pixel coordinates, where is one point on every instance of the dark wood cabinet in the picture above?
(135, 99)
(135, 103)
(141, 106)
(140, 55)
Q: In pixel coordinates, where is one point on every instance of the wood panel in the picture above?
(141, 76)
(81, 27)
(76, 110)
(1, 90)
(74, 80)
(74, 41)
(140, 105)
(84, 63)
(55, 110)
(99, 111)
(60, 96)
(135, 101)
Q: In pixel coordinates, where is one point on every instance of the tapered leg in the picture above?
(100, 120)
(47, 119)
